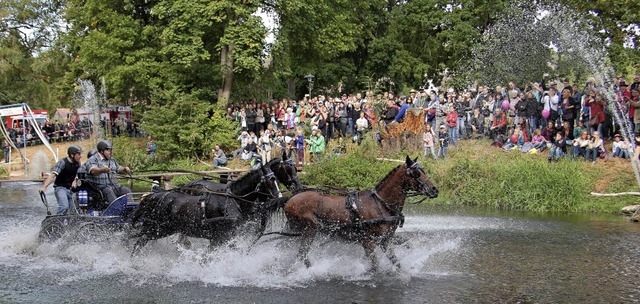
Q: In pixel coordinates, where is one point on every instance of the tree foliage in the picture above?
(178, 62)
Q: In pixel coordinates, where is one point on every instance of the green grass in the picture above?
(479, 175)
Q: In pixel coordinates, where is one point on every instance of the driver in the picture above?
(64, 174)
(102, 169)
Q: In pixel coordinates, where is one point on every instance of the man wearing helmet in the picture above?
(102, 169)
(64, 177)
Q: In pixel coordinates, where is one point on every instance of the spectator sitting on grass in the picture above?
(558, 148)
(538, 141)
(620, 148)
(219, 159)
(580, 145)
(595, 146)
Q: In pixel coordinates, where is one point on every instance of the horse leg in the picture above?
(369, 250)
(390, 253)
(307, 239)
(143, 240)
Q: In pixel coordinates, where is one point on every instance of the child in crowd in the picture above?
(452, 122)
(298, 146)
(558, 148)
(443, 138)
(428, 137)
(516, 139)
(538, 141)
(620, 148)
(577, 131)
(595, 146)
(580, 145)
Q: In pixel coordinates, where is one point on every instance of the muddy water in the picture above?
(450, 255)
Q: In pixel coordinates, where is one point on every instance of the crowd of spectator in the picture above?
(567, 120)
(57, 131)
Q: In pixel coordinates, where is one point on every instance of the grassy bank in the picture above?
(473, 174)
(477, 174)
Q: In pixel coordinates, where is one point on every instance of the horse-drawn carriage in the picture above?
(223, 205)
(214, 211)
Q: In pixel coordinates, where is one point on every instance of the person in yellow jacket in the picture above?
(316, 144)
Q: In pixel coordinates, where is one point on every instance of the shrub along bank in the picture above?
(480, 175)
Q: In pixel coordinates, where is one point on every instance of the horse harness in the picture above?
(352, 201)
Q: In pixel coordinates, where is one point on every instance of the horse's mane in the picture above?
(387, 176)
(255, 173)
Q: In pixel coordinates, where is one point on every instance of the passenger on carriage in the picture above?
(64, 174)
(103, 169)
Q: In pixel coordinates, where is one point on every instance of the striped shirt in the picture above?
(99, 161)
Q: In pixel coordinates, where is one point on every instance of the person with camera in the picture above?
(103, 170)
(64, 178)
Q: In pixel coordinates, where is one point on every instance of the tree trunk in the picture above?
(291, 87)
(226, 63)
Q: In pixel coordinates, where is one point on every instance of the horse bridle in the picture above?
(270, 175)
(290, 180)
(417, 178)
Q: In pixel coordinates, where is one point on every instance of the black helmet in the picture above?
(103, 145)
(92, 152)
(73, 149)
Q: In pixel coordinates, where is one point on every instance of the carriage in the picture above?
(94, 216)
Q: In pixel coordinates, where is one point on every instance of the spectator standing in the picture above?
(361, 125)
(6, 149)
(443, 139)
(428, 140)
(452, 124)
(316, 144)
(264, 146)
(298, 144)
(151, 147)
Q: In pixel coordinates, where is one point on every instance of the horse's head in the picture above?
(418, 180)
(287, 173)
(268, 185)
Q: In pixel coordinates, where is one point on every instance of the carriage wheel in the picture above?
(51, 231)
(88, 232)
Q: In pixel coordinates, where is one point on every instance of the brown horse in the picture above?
(370, 217)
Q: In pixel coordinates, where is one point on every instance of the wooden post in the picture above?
(166, 181)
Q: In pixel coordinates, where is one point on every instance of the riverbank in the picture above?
(474, 174)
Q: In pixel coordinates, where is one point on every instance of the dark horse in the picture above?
(373, 221)
(202, 213)
(283, 168)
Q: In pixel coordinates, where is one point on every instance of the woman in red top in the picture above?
(597, 105)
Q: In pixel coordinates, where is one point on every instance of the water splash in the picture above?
(93, 102)
(39, 163)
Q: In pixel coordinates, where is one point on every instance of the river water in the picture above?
(449, 256)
